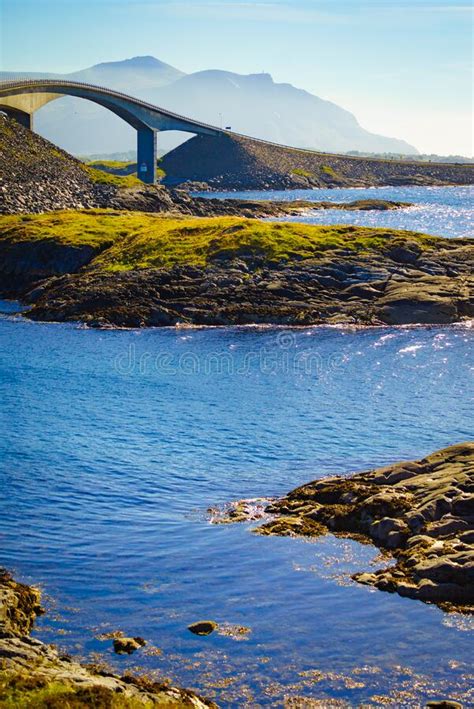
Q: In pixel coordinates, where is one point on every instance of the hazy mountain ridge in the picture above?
(257, 106)
(130, 75)
(252, 104)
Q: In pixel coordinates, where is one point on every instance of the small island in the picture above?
(125, 269)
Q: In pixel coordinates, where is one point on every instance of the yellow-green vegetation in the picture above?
(108, 178)
(27, 691)
(329, 171)
(94, 227)
(302, 173)
(129, 240)
(118, 168)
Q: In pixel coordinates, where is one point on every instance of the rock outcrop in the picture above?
(19, 606)
(37, 176)
(421, 511)
(203, 627)
(34, 674)
(127, 646)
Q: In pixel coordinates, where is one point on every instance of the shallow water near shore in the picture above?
(115, 443)
(442, 211)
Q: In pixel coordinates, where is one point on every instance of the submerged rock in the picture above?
(240, 511)
(422, 511)
(236, 632)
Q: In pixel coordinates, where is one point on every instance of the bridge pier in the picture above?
(22, 117)
(146, 155)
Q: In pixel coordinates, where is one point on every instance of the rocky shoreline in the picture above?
(402, 285)
(36, 674)
(159, 199)
(422, 512)
(52, 180)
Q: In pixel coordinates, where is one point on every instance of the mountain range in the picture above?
(251, 104)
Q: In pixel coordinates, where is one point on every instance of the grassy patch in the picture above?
(118, 168)
(139, 240)
(301, 173)
(330, 172)
(94, 228)
(18, 691)
(107, 178)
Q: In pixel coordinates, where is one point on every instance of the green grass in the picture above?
(129, 240)
(121, 166)
(107, 169)
(96, 228)
(107, 178)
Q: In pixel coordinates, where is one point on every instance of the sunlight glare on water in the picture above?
(442, 211)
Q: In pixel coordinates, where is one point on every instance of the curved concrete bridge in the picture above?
(20, 99)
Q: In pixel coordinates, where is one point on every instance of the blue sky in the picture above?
(404, 67)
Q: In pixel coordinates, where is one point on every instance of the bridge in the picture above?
(20, 99)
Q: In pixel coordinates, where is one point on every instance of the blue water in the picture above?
(115, 443)
(443, 211)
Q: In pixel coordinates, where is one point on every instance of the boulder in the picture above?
(203, 627)
(127, 646)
